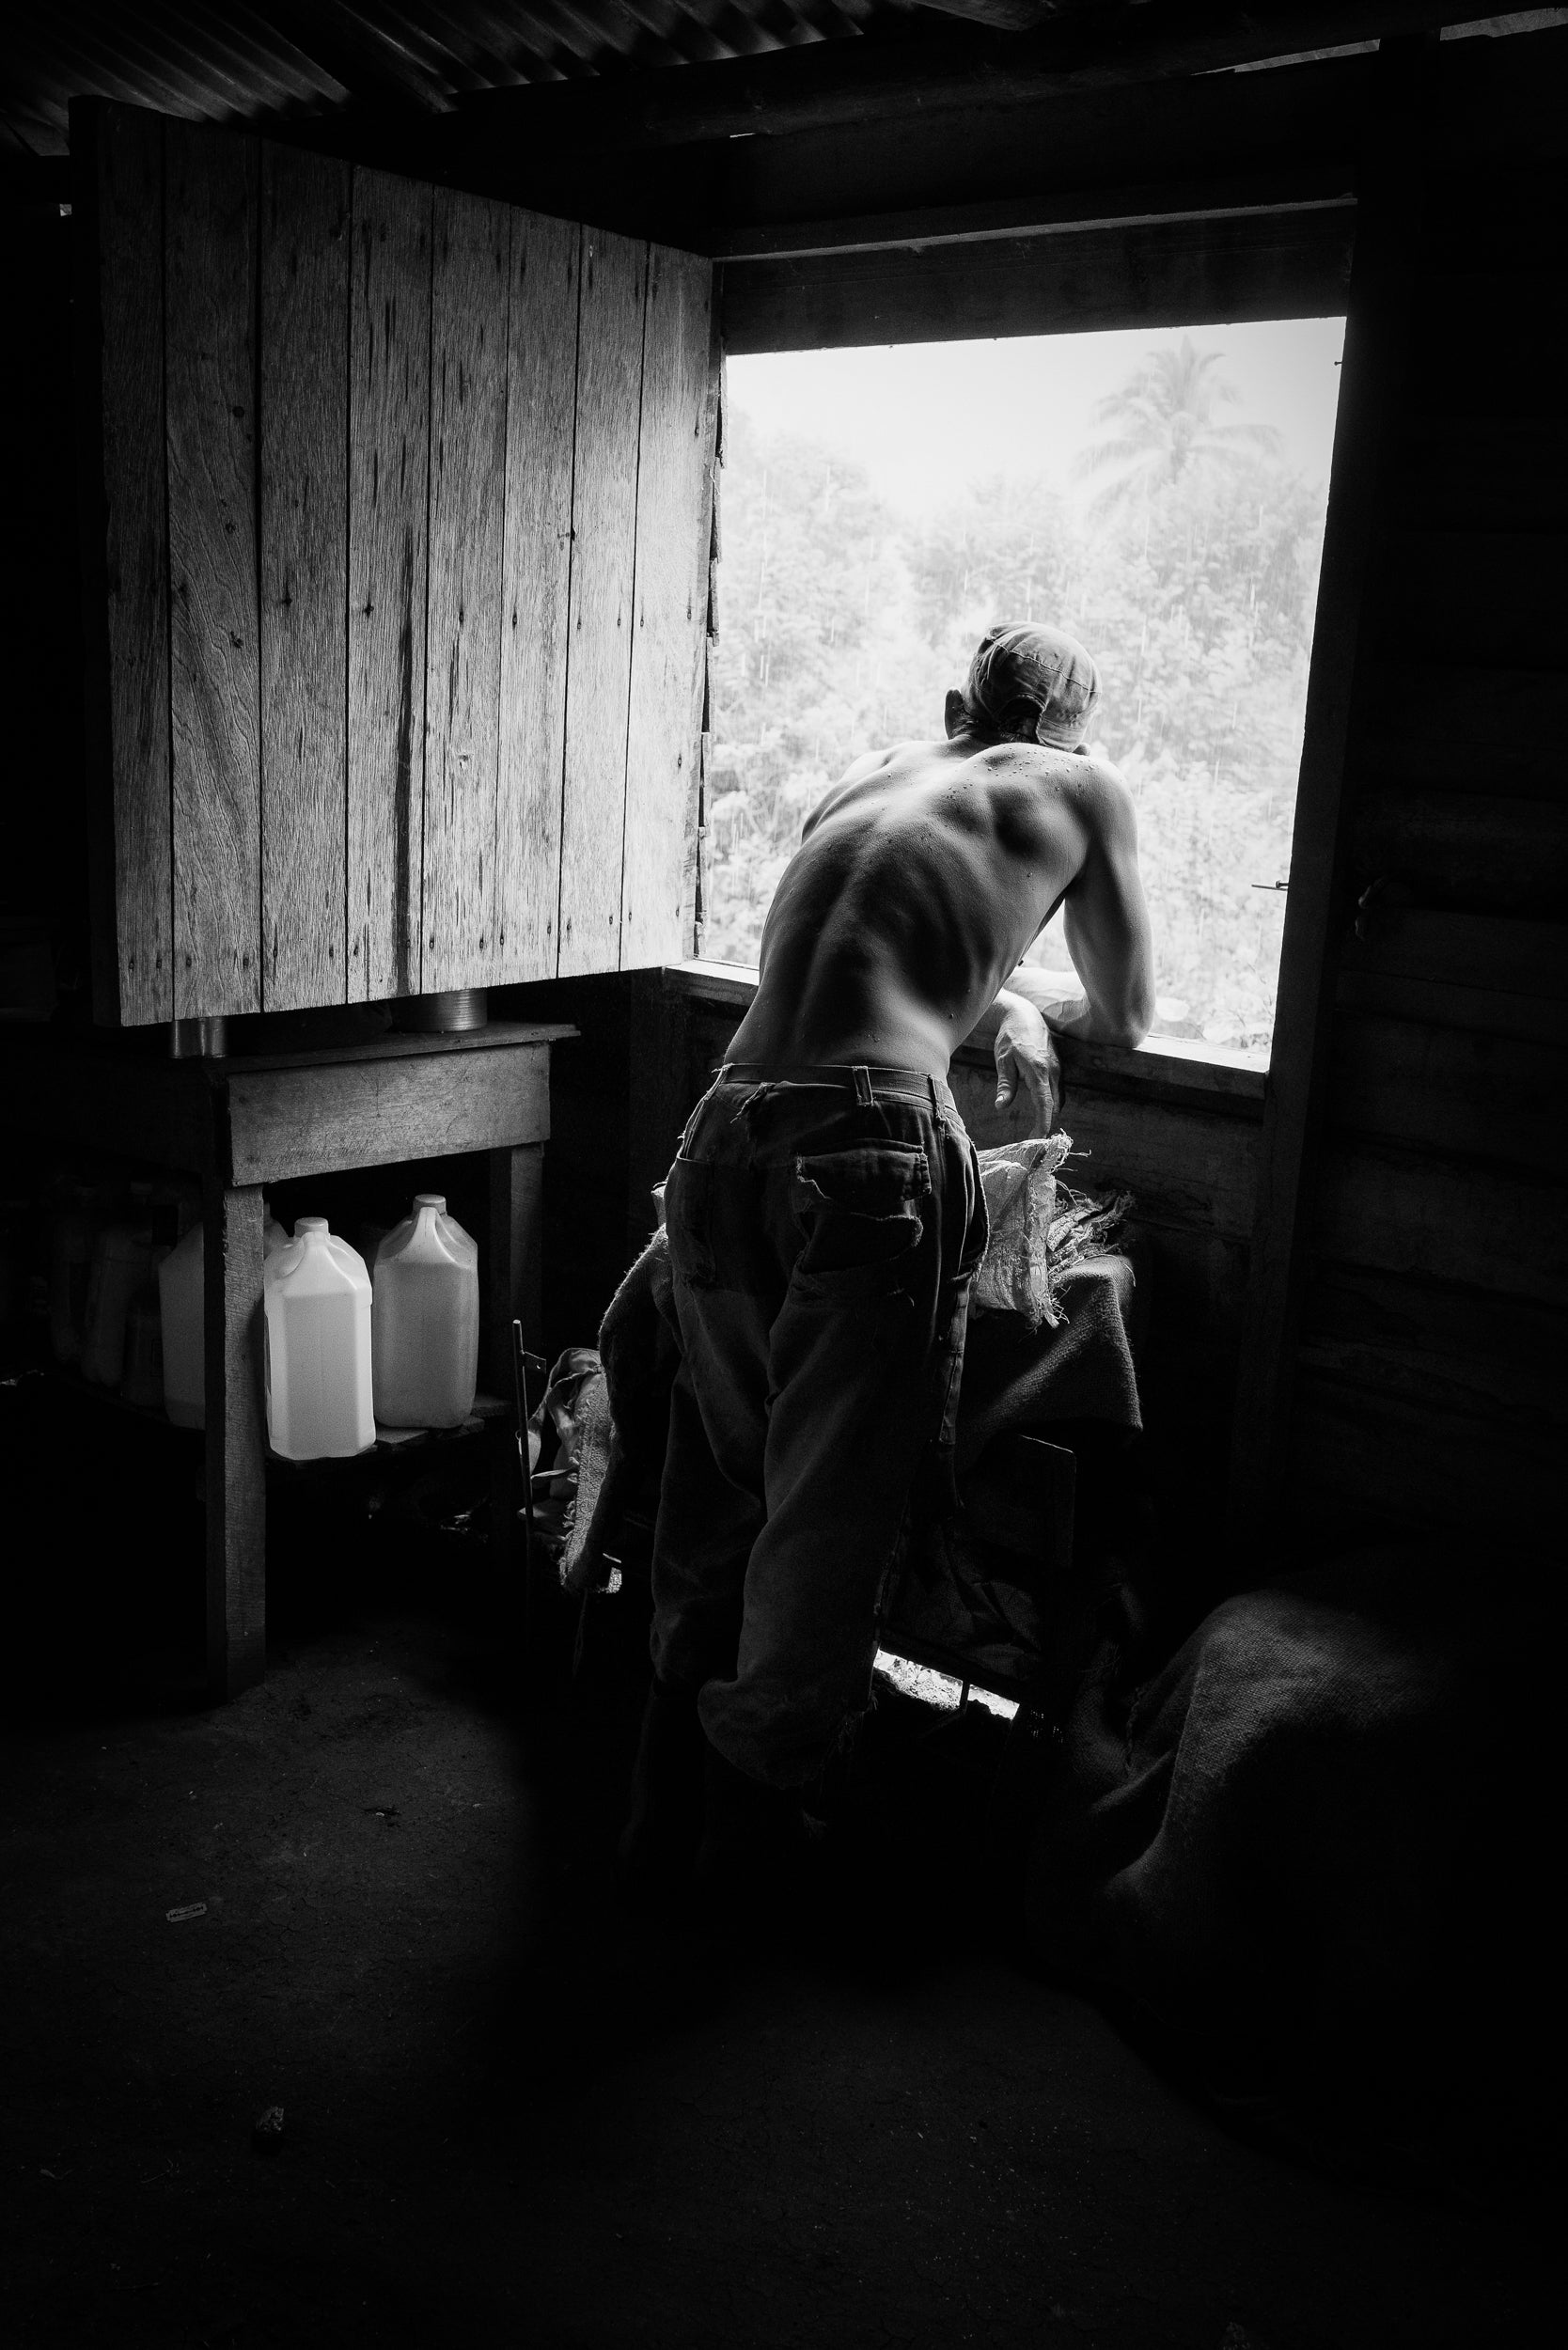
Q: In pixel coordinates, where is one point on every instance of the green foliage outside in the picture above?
(1191, 577)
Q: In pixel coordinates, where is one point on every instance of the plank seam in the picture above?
(571, 566)
(347, 555)
(168, 542)
(425, 648)
(494, 925)
(258, 324)
(632, 616)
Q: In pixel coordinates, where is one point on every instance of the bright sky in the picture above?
(925, 417)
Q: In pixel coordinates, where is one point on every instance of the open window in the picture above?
(1160, 491)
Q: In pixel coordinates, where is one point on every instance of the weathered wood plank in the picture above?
(1278, 265)
(1496, 1097)
(468, 461)
(1486, 100)
(513, 1289)
(541, 406)
(1186, 1166)
(1452, 1004)
(1375, 371)
(1358, 1453)
(235, 1458)
(1483, 598)
(670, 635)
(807, 232)
(1509, 738)
(603, 547)
(1462, 850)
(855, 87)
(211, 214)
(120, 303)
(1478, 473)
(1444, 1221)
(1458, 1349)
(1476, 951)
(304, 527)
(313, 1120)
(389, 409)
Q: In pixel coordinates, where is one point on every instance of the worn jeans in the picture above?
(824, 1226)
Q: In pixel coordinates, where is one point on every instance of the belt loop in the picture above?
(863, 1086)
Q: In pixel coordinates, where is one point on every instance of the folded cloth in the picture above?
(1016, 1377)
(1020, 1187)
(600, 1490)
(1299, 1847)
(639, 1345)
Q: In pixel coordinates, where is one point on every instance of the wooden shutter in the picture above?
(396, 509)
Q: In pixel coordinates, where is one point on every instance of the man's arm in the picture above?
(1105, 918)
(1109, 936)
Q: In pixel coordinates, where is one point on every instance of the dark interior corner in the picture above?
(1163, 1963)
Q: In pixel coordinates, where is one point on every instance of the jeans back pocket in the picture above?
(859, 1213)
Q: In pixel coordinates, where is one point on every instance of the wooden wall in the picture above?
(396, 532)
(1429, 1384)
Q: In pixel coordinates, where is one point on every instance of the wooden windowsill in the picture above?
(1162, 1064)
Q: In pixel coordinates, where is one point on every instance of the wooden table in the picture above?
(241, 1123)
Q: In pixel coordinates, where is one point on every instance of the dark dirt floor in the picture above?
(510, 2116)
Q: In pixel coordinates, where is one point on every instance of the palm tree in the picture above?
(1170, 429)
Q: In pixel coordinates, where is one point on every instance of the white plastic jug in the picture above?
(426, 1318)
(317, 1362)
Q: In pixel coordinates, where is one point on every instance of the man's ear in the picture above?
(954, 715)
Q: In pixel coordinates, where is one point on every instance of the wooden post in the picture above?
(512, 1288)
(236, 1487)
(511, 1291)
(1376, 338)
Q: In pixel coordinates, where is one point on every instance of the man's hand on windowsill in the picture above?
(1058, 999)
(1026, 1060)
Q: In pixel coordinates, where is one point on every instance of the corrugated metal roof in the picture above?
(295, 57)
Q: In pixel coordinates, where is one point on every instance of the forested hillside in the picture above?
(1190, 571)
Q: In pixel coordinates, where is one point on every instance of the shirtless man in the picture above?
(826, 1217)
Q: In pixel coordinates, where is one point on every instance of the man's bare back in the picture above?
(919, 882)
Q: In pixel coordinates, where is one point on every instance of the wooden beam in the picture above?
(236, 1471)
(514, 1258)
(848, 82)
(1372, 382)
(1323, 187)
(1182, 274)
(337, 1114)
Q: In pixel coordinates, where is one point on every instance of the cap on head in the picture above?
(1032, 684)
